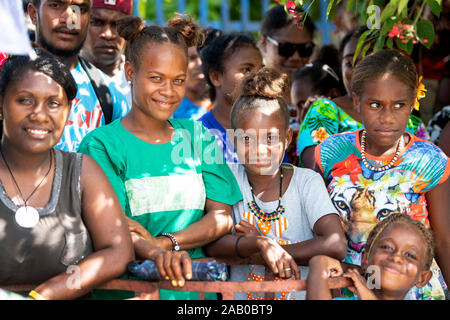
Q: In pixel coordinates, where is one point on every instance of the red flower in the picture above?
(394, 32)
(3, 58)
(291, 5)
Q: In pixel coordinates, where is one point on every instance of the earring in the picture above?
(1, 116)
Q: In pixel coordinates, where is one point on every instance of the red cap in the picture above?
(122, 5)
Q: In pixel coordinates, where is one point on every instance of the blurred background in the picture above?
(227, 15)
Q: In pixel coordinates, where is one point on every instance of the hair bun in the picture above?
(267, 83)
(129, 27)
(192, 33)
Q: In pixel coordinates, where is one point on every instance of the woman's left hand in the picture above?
(170, 265)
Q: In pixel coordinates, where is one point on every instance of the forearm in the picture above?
(318, 288)
(225, 247)
(97, 268)
(211, 227)
(144, 249)
(319, 245)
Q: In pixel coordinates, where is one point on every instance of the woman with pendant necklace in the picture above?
(381, 169)
(286, 216)
(63, 230)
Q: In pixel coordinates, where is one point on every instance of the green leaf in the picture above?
(387, 26)
(351, 5)
(388, 11)
(400, 44)
(435, 6)
(331, 10)
(379, 43)
(409, 47)
(359, 45)
(314, 7)
(390, 43)
(401, 5)
(364, 50)
(425, 32)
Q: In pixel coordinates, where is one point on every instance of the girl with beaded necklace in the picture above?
(374, 172)
(286, 216)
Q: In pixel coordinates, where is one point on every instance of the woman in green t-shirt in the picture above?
(173, 185)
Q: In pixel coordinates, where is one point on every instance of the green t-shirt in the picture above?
(164, 186)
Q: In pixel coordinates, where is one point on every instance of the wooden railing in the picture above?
(149, 290)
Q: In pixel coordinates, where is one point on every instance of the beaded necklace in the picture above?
(267, 216)
(383, 168)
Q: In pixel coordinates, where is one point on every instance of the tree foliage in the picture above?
(390, 23)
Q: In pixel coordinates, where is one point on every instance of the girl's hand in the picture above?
(169, 266)
(327, 266)
(359, 285)
(279, 261)
(244, 228)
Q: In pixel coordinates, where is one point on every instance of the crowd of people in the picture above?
(123, 141)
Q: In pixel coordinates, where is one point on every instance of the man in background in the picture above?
(61, 29)
(103, 46)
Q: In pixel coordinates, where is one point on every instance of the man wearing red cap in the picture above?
(103, 46)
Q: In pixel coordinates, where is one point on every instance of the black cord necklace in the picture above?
(26, 216)
(267, 216)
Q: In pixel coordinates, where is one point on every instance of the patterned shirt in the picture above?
(364, 197)
(86, 113)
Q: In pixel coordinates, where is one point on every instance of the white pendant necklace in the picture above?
(27, 216)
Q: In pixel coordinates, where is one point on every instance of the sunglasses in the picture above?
(287, 49)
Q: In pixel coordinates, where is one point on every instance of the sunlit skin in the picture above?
(293, 34)
(59, 25)
(385, 106)
(236, 66)
(400, 253)
(35, 109)
(103, 45)
(158, 86)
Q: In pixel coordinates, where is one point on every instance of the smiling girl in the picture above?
(398, 255)
(181, 201)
